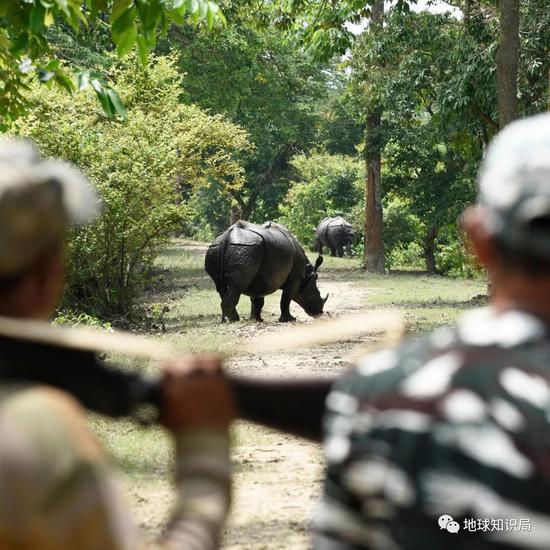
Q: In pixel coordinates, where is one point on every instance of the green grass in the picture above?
(336, 264)
(140, 452)
(427, 301)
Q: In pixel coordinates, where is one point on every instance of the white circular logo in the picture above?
(447, 522)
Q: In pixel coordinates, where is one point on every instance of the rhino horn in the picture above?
(325, 299)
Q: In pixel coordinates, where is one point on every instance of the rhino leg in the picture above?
(221, 293)
(229, 302)
(333, 251)
(256, 305)
(286, 298)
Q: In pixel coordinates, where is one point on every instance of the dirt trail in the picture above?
(277, 477)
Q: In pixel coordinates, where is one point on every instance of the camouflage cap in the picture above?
(514, 186)
(38, 198)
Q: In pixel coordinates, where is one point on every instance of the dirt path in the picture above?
(278, 477)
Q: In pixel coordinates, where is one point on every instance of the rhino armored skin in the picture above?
(334, 233)
(257, 260)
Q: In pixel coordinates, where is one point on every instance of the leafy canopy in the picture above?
(265, 83)
(26, 53)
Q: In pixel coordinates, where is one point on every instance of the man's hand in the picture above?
(195, 394)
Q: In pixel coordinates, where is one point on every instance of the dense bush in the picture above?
(145, 169)
(323, 185)
(210, 208)
(454, 258)
(404, 242)
(402, 234)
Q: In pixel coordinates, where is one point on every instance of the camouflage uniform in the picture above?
(58, 491)
(456, 424)
(445, 442)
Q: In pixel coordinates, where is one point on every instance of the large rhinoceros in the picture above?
(257, 260)
(334, 233)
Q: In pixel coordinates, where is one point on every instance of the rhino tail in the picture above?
(223, 248)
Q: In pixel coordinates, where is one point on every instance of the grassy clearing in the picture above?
(427, 301)
(194, 312)
(268, 465)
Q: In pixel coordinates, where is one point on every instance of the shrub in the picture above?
(453, 258)
(408, 256)
(72, 318)
(145, 169)
(323, 185)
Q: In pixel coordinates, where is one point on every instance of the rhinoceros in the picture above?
(257, 260)
(334, 233)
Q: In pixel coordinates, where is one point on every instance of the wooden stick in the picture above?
(325, 332)
(85, 338)
(293, 337)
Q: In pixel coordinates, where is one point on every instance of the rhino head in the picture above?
(308, 295)
(348, 238)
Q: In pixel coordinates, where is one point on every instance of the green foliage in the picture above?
(401, 226)
(454, 259)
(88, 50)
(265, 83)
(405, 257)
(431, 176)
(144, 169)
(72, 318)
(210, 208)
(324, 185)
(341, 130)
(534, 63)
(26, 53)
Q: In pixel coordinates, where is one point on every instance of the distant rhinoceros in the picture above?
(257, 260)
(334, 233)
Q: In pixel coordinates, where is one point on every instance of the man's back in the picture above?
(56, 488)
(456, 425)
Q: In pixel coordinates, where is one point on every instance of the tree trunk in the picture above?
(374, 245)
(429, 249)
(507, 61)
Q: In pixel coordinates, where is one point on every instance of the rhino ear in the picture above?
(318, 262)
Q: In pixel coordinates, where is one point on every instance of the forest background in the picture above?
(266, 111)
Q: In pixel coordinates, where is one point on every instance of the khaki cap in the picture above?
(38, 199)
